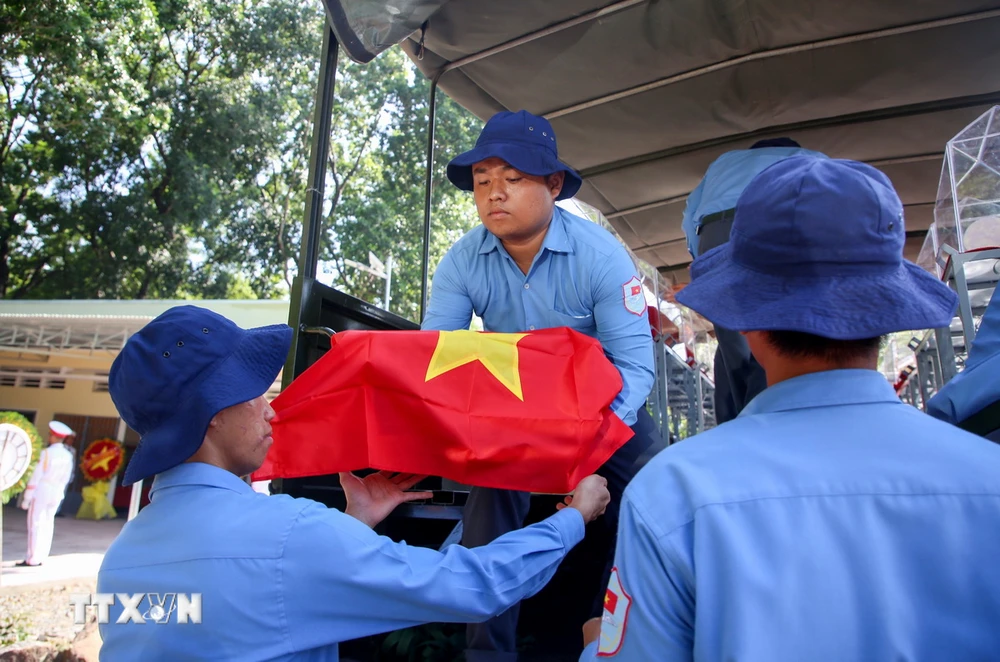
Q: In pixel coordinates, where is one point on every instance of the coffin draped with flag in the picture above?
(526, 412)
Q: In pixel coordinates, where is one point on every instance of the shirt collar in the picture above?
(556, 240)
(490, 243)
(198, 473)
(823, 389)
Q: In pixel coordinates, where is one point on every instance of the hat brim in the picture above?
(247, 374)
(59, 429)
(527, 159)
(841, 308)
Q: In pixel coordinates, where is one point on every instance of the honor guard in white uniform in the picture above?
(45, 492)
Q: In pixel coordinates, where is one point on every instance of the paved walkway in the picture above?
(77, 549)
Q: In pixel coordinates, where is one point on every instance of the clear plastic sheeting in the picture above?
(365, 28)
(967, 210)
(927, 258)
(962, 247)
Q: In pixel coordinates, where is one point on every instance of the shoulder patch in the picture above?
(616, 605)
(632, 296)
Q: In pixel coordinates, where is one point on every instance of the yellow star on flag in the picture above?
(496, 351)
(103, 459)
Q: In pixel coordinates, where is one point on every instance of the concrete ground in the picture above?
(78, 548)
(41, 594)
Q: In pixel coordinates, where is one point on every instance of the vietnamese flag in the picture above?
(519, 411)
(610, 601)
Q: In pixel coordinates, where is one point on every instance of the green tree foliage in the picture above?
(159, 148)
(375, 190)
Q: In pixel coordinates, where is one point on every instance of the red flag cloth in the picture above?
(526, 412)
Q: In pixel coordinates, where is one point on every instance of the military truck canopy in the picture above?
(645, 94)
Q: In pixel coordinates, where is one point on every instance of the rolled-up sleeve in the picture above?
(625, 336)
(340, 580)
(450, 306)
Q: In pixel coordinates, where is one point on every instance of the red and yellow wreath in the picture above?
(102, 459)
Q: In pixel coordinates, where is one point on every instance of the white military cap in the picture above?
(60, 429)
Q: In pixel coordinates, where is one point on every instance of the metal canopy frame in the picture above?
(980, 288)
(312, 230)
(34, 336)
(940, 353)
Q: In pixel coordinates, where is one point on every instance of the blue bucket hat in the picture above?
(525, 141)
(817, 247)
(179, 371)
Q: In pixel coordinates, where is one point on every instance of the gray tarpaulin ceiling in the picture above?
(646, 95)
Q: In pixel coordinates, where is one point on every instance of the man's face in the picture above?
(513, 205)
(241, 435)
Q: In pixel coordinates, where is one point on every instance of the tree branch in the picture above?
(341, 184)
(208, 64)
(173, 55)
(6, 233)
(162, 205)
(37, 276)
(147, 280)
(5, 146)
(281, 237)
(9, 137)
(12, 212)
(364, 145)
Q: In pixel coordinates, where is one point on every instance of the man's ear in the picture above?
(555, 182)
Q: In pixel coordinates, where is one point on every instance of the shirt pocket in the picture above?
(578, 321)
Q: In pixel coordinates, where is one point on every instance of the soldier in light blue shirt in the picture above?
(829, 521)
(711, 204)
(279, 578)
(708, 219)
(532, 265)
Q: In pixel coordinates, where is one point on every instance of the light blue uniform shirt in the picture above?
(725, 180)
(827, 522)
(977, 387)
(577, 279)
(286, 579)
